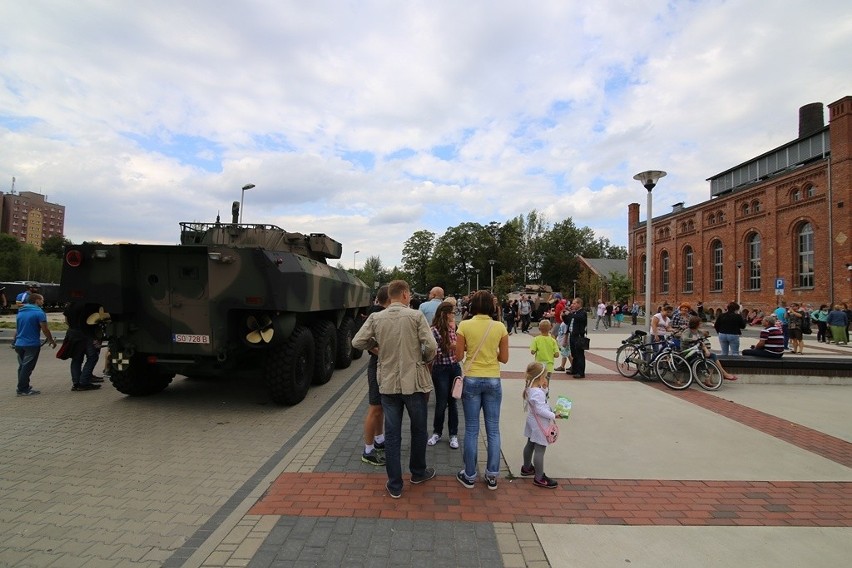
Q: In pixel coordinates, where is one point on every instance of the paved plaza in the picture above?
(210, 473)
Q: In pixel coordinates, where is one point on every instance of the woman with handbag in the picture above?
(487, 345)
(540, 428)
(445, 367)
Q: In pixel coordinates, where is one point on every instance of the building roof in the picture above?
(603, 267)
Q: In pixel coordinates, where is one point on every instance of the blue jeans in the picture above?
(442, 379)
(27, 359)
(485, 394)
(82, 374)
(730, 342)
(786, 329)
(415, 404)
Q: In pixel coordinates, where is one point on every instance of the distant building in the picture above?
(594, 277)
(777, 226)
(30, 218)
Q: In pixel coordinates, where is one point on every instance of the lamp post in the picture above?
(477, 279)
(649, 179)
(739, 280)
(242, 195)
(491, 262)
(575, 290)
(354, 254)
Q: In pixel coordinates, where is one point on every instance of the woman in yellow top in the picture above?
(486, 345)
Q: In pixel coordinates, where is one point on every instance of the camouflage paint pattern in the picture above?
(188, 305)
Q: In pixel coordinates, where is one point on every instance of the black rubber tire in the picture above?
(325, 351)
(139, 379)
(627, 359)
(290, 367)
(345, 352)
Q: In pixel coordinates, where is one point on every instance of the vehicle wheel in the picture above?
(706, 374)
(627, 359)
(137, 378)
(290, 367)
(345, 352)
(325, 351)
(673, 370)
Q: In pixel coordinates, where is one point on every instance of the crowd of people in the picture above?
(417, 351)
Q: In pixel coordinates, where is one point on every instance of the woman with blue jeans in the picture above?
(729, 326)
(486, 344)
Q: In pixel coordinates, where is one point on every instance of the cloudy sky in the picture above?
(371, 120)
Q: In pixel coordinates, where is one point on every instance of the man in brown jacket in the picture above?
(406, 345)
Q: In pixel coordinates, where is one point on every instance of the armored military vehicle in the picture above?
(232, 299)
(541, 296)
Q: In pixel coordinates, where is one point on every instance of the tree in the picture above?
(620, 286)
(10, 258)
(533, 229)
(457, 255)
(416, 253)
(54, 245)
(372, 272)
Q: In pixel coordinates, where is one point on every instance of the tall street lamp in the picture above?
(477, 279)
(575, 290)
(354, 254)
(739, 280)
(648, 180)
(242, 195)
(491, 262)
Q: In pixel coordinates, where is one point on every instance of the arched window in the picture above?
(688, 272)
(806, 256)
(720, 217)
(811, 191)
(643, 268)
(690, 225)
(711, 220)
(795, 195)
(718, 255)
(753, 244)
(664, 272)
(755, 206)
(745, 208)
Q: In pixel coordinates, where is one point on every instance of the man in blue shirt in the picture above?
(32, 288)
(31, 321)
(781, 316)
(436, 296)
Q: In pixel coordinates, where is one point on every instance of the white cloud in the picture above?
(118, 110)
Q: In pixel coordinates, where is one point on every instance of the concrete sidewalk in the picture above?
(208, 473)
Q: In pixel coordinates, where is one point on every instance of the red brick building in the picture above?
(781, 216)
(30, 218)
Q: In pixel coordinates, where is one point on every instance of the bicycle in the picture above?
(635, 357)
(704, 371)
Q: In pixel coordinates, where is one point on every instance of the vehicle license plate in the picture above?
(186, 338)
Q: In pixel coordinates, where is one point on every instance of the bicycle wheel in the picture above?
(706, 374)
(673, 370)
(627, 359)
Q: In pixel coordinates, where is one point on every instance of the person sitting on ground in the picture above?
(694, 335)
(771, 343)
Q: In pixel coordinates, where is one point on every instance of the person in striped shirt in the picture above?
(771, 343)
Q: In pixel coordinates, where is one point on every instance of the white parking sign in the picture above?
(779, 283)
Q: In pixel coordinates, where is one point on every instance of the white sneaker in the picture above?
(454, 442)
(433, 439)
